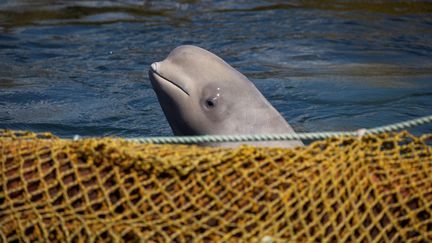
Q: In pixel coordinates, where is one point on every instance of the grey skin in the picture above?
(201, 94)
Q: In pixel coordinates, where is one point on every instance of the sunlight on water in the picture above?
(81, 67)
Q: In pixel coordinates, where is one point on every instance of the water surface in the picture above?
(81, 68)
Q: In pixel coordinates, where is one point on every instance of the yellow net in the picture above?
(374, 188)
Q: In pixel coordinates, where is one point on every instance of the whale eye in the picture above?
(211, 97)
(211, 102)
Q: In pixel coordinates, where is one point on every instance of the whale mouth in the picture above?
(154, 76)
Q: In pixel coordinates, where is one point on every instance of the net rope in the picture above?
(376, 187)
(286, 136)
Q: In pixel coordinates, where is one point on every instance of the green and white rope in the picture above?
(284, 136)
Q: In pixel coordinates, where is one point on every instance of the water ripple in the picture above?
(80, 67)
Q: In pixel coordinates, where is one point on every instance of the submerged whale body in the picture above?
(200, 94)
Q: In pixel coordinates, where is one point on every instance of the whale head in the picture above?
(201, 94)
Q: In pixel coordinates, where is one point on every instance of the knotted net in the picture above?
(373, 188)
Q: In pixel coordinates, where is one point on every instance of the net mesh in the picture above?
(374, 188)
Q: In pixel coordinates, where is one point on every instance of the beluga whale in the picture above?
(201, 94)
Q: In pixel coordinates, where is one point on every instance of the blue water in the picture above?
(81, 68)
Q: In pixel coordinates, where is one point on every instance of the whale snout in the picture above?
(159, 79)
(154, 67)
